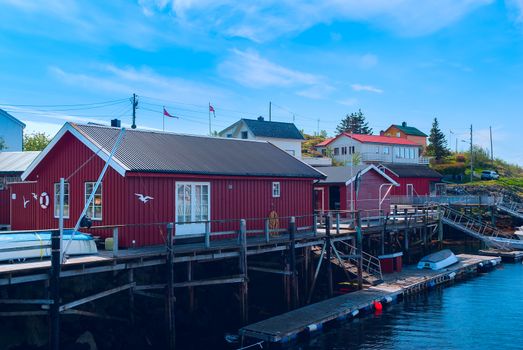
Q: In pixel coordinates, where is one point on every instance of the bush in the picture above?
(460, 158)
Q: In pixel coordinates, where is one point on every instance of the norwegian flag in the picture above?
(167, 114)
(211, 109)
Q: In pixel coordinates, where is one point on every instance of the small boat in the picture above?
(507, 243)
(519, 233)
(19, 246)
(438, 260)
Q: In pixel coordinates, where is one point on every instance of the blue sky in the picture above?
(397, 60)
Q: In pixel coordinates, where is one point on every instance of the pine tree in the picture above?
(437, 143)
(354, 123)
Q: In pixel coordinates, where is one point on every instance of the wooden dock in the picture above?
(508, 256)
(288, 326)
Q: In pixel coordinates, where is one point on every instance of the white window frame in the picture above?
(276, 190)
(90, 210)
(193, 214)
(56, 200)
(386, 150)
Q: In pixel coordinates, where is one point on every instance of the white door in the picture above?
(192, 207)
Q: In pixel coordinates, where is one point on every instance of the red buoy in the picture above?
(377, 306)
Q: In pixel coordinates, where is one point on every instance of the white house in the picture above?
(11, 132)
(372, 149)
(283, 135)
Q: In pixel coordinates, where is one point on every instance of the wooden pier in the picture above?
(288, 326)
(507, 256)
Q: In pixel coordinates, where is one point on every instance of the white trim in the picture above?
(322, 189)
(372, 166)
(55, 197)
(118, 166)
(279, 189)
(86, 197)
(179, 224)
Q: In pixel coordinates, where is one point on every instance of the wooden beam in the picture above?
(150, 295)
(90, 298)
(27, 301)
(23, 313)
(268, 270)
(93, 314)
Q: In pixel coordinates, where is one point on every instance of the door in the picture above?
(410, 190)
(334, 198)
(318, 199)
(192, 207)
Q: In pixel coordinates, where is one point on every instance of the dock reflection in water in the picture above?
(480, 313)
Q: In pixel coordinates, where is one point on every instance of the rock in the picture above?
(87, 339)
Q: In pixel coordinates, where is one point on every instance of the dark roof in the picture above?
(278, 130)
(406, 170)
(9, 116)
(16, 162)
(152, 151)
(410, 130)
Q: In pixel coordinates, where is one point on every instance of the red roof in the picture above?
(371, 139)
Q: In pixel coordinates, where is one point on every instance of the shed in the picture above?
(199, 183)
(413, 180)
(370, 188)
(12, 165)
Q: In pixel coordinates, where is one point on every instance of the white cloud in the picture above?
(368, 60)
(348, 102)
(515, 8)
(249, 69)
(369, 88)
(265, 20)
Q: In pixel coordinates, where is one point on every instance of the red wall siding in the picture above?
(24, 218)
(232, 198)
(421, 185)
(5, 212)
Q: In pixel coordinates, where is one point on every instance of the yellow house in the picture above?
(406, 132)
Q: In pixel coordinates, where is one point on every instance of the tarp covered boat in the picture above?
(438, 260)
(37, 244)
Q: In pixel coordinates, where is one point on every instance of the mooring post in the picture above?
(190, 290)
(266, 230)
(328, 254)
(130, 279)
(337, 223)
(115, 242)
(294, 279)
(315, 224)
(440, 226)
(306, 267)
(359, 250)
(169, 291)
(54, 284)
(244, 307)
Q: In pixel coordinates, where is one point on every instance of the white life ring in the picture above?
(44, 200)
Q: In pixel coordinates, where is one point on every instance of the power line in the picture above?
(66, 105)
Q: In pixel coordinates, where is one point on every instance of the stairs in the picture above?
(347, 259)
(474, 228)
(512, 208)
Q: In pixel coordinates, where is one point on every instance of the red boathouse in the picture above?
(199, 183)
(413, 180)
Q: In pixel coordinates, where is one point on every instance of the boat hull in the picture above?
(36, 245)
(438, 260)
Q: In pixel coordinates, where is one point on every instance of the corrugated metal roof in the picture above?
(340, 174)
(406, 170)
(16, 162)
(152, 151)
(278, 130)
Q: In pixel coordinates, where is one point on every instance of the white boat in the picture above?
(19, 246)
(438, 260)
(508, 243)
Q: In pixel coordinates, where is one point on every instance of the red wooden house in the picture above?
(370, 188)
(200, 183)
(413, 180)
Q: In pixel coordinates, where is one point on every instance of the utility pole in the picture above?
(471, 157)
(491, 147)
(134, 102)
(318, 127)
(270, 110)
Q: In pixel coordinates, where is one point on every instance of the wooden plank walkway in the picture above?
(287, 326)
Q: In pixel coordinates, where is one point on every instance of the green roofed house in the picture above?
(406, 132)
(283, 135)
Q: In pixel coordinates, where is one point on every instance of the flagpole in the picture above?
(209, 109)
(163, 118)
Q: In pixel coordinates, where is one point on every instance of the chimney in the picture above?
(404, 124)
(260, 118)
(116, 123)
(382, 132)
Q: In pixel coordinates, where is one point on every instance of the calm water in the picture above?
(480, 313)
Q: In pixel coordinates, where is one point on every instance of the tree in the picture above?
(2, 144)
(437, 143)
(354, 123)
(36, 141)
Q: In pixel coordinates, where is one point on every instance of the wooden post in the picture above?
(130, 279)
(359, 250)
(315, 224)
(337, 223)
(169, 291)
(328, 254)
(207, 234)
(493, 215)
(292, 260)
(115, 242)
(190, 290)
(54, 284)
(306, 267)
(440, 226)
(266, 230)
(244, 306)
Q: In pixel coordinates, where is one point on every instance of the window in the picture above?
(344, 150)
(398, 134)
(324, 152)
(352, 150)
(57, 200)
(397, 152)
(386, 150)
(192, 207)
(95, 207)
(245, 135)
(275, 189)
(336, 151)
(229, 136)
